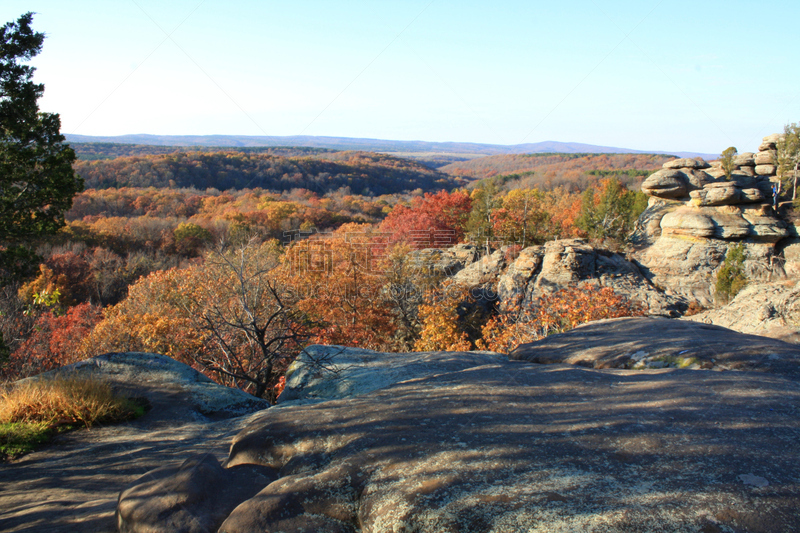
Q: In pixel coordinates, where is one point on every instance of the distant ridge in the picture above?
(370, 145)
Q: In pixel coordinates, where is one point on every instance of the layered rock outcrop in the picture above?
(511, 278)
(564, 263)
(694, 215)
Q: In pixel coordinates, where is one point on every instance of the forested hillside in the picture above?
(99, 150)
(364, 173)
(548, 171)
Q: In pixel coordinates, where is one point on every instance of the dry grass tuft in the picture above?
(65, 401)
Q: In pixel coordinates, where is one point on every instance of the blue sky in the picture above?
(650, 75)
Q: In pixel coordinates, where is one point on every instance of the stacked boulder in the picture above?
(695, 214)
(763, 163)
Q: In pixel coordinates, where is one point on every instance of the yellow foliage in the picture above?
(440, 325)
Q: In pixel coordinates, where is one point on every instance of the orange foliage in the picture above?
(150, 319)
(440, 321)
(564, 209)
(339, 278)
(554, 313)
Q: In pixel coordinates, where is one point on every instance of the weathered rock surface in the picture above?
(766, 157)
(791, 255)
(335, 372)
(686, 163)
(745, 159)
(194, 497)
(724, 222)
(766, 170)
(132, 369)
(771, 310)
(774, 139)
(688, 266)
(444, 261)
(667, 183)
(517, 446)
(670, 342)
(484, 270)
(718, 194)
(563, 263)
(648, 226)
(74, 483)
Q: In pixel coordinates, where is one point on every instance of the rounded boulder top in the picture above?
(686, 163)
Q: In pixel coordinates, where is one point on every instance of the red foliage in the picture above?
(55, 342)
(432, 221)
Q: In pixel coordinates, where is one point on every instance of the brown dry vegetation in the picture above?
(64, 401)
(548, 171)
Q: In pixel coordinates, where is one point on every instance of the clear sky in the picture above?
(651, 75)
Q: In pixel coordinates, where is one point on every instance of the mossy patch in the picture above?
(19, 438)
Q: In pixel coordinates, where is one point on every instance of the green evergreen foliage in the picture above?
(37, 182)
(731, 277)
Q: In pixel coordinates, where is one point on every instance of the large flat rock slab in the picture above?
(523, 447)
(628, 342)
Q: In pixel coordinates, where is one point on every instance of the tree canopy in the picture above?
(788, 157)
(37, 182)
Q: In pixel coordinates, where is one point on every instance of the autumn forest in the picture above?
(233, 260)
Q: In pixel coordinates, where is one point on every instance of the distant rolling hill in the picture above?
(364, 173)
(549, 170)
(456, 151)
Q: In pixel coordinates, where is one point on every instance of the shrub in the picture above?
(54, 341)
(728, 161)
(731, 278)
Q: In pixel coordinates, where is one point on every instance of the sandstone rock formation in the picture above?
(193, 497)
(694, 216)
(483, 271)
(160, 372)
(444, 261)
(559, 264)
(521, 277)
(515, 446)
